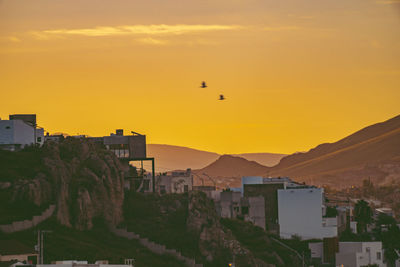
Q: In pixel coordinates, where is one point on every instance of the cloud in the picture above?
(12, 39)
(129, 30)
(152, 41)
(281, 28)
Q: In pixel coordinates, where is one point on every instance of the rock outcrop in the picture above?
(82, 178)
(214, 238)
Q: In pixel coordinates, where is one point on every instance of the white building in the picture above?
(357, 254)
(168, 183)
(300, 213)
(175, 182)
(19, 131)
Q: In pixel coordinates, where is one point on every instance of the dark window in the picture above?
(245, 210)
(39, 139)
(8, 127)
(162, 189)
(186, 188)
(146, 185)
(378, 255)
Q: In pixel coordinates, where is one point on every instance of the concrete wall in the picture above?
(154, 247)
(16, 132)
(257, 211)
(23, 133)
(317, 250)
(26, 224)
(174, 184)
(347, 259)
(300, 213)
(21, 257)
(360, 254)
(269, 192)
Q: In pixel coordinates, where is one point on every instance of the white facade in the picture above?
(357, 254)
(300, 214)
(176, 182)
(16, 134)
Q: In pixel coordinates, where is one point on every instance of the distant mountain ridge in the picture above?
(231, 166)
(372, 152)
(170, 157)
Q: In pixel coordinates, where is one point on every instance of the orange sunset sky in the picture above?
(295, 73)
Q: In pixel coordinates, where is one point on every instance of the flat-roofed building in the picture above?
(300, 213)
(19, 131)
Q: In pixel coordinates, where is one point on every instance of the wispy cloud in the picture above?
(127, 30)
(281, 28)
(152, 41)
(12, 39)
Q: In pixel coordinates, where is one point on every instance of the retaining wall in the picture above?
(154, 247)
(26, 224)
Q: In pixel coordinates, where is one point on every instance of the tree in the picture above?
(362, 215)
(368, 188)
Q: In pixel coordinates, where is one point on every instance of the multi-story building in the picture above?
(19, 131)
(290, 208)
(300, 213)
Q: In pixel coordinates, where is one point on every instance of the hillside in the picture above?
(228, 170)
(170, 157)
(371, 152)
(179, 158)
(81, 178)
(85, 183)
(266, 159)
(99, 243)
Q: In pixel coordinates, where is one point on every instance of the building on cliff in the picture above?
(130, 148)
(177, 182)
(19, 131)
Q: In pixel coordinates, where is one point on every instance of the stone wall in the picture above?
(26, 224)
(154, 247)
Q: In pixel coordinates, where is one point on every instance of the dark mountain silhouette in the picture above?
(373, 152)
(170, 157)
(230, 166)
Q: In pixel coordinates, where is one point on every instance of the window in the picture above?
(245, 210)
(378, 255)
(8, 127)
(146, 185)
(162, 189)
(186, 188)
(39, 139)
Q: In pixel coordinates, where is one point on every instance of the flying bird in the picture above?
(221, 97)
(203, 84)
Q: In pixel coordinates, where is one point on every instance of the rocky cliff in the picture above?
(82, 178)
(215, 240)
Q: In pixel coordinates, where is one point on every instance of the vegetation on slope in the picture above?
(65, 243)
(262, 246)
(161, 219)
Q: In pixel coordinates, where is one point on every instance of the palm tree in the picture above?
(362, 215)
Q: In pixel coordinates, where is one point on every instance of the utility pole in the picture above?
(40, 245)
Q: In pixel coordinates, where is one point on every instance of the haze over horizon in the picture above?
(295, 73)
